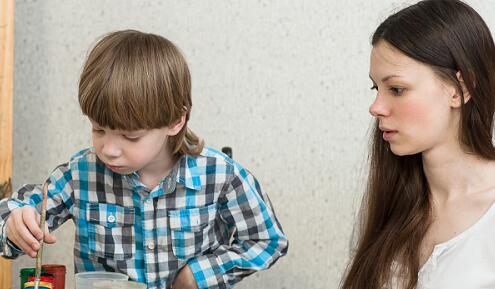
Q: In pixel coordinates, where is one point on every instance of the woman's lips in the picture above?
(389, 134)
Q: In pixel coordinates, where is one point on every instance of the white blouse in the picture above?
(466, 261)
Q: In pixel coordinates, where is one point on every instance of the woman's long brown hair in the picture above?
(450, 37)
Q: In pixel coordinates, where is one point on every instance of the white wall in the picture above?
(285, 83)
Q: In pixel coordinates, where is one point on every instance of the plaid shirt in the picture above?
(209, 213)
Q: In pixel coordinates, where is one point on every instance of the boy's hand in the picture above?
(23, 229)
(185, 279)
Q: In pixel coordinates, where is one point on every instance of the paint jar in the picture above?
(85, 280)
(58, 272)
(25, 273)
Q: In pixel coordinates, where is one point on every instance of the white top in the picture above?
(466, 261)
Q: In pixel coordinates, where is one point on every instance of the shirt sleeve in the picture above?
(59, 205)
(258, 240)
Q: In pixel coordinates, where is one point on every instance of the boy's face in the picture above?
(125, 152)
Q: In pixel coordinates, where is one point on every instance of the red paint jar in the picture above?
(58, 272)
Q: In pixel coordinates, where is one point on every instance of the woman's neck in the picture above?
(453, 173)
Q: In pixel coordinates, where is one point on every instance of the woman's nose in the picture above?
(379, 107)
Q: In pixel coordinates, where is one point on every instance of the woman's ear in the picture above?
(457, 98)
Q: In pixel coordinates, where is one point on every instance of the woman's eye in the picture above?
(397, 90)
(374, 87)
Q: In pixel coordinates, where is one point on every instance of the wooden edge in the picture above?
(6, 116)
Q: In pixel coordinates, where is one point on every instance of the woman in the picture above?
(428, 213)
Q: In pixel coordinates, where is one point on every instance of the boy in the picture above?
(148, 199)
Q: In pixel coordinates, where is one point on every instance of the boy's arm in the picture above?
(258, 240)
(58, 206)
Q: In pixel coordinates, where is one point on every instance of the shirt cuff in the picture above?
(9, 250)
(207, 272)
(13, 247)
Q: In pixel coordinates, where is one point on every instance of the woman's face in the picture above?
(415, 109)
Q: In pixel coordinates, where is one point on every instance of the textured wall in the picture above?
(285, 83)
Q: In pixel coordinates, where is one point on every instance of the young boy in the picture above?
(148, 199)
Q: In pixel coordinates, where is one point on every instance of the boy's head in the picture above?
(137, 81)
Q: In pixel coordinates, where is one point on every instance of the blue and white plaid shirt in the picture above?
(209, 213)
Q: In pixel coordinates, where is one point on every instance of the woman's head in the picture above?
(433, 66)
(416, 110)
(442, 55)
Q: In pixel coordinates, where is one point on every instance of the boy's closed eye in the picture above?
(132, 138)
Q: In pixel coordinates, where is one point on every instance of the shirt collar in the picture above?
(185, 172)
(188, 173)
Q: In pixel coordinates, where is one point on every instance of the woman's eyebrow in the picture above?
(386, 77)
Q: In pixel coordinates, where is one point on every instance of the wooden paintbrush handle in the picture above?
(39, 255)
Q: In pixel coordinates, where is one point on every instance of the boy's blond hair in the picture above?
(133, 80)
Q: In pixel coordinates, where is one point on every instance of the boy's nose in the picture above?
(111, 149)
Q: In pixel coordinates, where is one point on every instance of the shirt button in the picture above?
(151, 245)
(111, 219)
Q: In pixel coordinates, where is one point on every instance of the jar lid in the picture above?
(30, 271)
(54, 268)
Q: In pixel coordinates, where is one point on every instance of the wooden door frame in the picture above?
(6, 114)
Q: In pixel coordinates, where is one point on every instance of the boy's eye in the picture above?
(132, 138)
(99, 131)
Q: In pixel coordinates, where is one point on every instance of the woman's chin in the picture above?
(403, 151)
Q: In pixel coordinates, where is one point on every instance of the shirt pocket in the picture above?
(111, 231)
(192, 231)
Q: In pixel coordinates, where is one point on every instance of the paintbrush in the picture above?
(39, 254)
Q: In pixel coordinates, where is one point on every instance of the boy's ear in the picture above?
(176, 127)
(456, 99)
